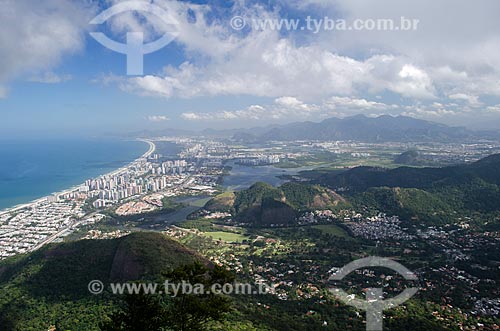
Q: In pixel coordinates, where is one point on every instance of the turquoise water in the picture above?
(33, 169)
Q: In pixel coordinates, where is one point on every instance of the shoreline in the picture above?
(151, 150)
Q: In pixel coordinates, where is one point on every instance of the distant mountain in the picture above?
(357, 128)
(212, 133)
(412, 157)
(362, 128)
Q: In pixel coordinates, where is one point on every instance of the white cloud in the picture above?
(434, 110)
(293, 109)
(494, 109)
(295, 104)
(307, 75)
(289, 102)
(272, 69)
(266, 64)
(351, 104)
(269, 68)
(192, 116)
(472, 100)
(148, 86)
(158, 118)
(254, 112)
(414, 82)
(35, 35)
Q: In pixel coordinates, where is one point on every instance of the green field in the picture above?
(229, 237)
(333, 230)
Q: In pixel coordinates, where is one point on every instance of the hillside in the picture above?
(411, 158)
(362, 178)
(264, 204)
(430, 194)
(50, 286)
(223, 202)
(407, 203)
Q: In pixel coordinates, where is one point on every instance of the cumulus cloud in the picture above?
(346, 103)
(494, 109)
(472, 100)
(265, 63)
(276, 68)
(254, 112)
(291, 108)
(308, 75)
(280, 68)
(435, 110)
(294, 103)
(158, 118)
(35, 35)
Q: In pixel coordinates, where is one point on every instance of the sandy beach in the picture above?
(151, 150)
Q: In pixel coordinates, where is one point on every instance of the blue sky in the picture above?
(56, 79)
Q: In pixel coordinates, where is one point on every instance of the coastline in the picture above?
(151, 150)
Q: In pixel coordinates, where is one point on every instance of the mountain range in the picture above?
(357, 128)
(369, 129)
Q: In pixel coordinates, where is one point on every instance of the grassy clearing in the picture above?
(228, 237)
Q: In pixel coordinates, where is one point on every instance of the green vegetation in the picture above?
(223, 202)
(411, 157)
(263, 204)
(333, 230)
(184, 312)
(201, 224)
(229, 237)
(406, 203)
(255, 195)
(50, 286)
(433, 195)
(305, 197)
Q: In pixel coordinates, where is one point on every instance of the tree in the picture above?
(192, 312)
(142, 312)
(187, 310)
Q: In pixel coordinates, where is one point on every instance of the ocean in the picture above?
(32, 169)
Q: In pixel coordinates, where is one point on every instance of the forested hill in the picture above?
(264, 204)
(50, 286)
(432, 195)
(362, 178)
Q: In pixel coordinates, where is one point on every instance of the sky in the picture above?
(216, 72)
